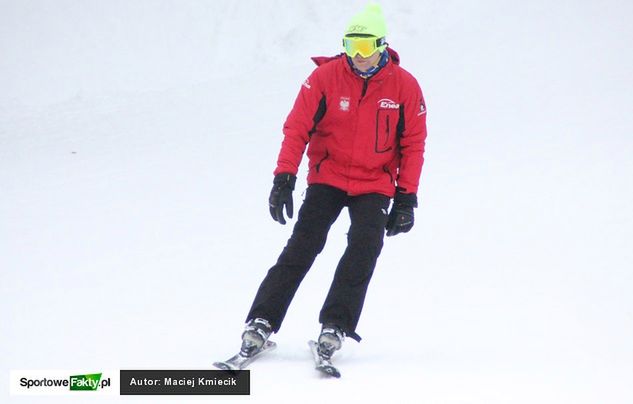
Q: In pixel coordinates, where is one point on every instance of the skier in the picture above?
(363, 120)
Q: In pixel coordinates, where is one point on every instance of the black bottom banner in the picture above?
(185, 382)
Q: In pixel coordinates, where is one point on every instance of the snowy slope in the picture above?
(137, 141)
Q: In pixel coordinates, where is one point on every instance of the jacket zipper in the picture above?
(362, 94)
(388, 131)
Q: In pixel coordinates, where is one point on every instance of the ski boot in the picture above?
(255, 336)
(254, 343)
(330, 340)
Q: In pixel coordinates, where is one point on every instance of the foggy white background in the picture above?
(137, 143)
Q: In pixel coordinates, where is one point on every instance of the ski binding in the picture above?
(322, 364)
(240, 361)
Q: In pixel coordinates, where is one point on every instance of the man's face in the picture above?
(363, 64)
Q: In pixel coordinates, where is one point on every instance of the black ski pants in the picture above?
(344, 302)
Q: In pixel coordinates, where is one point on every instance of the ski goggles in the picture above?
(365, 46)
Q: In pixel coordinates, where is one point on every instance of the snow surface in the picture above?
(137, 143)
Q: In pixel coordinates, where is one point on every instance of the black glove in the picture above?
(281, 195)
(401, 215)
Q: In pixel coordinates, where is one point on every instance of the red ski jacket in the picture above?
(364, 135)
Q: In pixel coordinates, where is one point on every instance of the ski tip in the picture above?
(329, 371)
(225, 366)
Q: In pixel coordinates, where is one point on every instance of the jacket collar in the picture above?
(320, 60)
(382, 62)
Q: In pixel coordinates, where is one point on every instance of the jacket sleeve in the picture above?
(300, 123)
(412, 141)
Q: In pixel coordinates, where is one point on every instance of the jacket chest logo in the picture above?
(343, 105)
(386, 103)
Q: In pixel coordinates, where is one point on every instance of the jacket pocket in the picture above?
(385, 131)
(317, 166)
(388, 172)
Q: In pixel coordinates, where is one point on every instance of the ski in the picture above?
(240, 361)
(322, 364)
